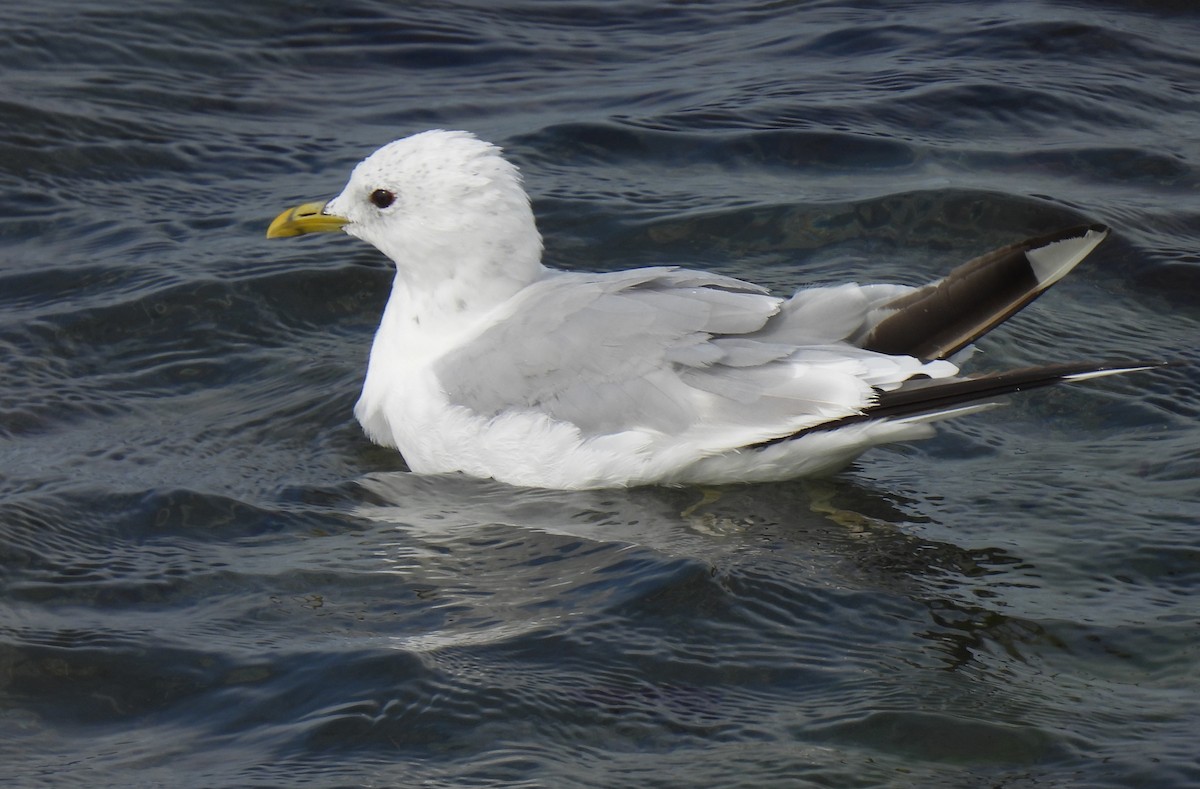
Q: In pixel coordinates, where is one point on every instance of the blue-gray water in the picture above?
(210, 578)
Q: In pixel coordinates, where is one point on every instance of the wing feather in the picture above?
(673, 352)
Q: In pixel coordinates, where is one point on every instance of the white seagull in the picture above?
(489, 363)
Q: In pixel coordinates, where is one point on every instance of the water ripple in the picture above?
(211, 578)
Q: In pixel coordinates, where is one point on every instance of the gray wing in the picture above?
(671, 350)
(720, 364)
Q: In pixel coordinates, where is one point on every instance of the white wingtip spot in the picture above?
(1108, 371)
(1053, 261)
(947, 413)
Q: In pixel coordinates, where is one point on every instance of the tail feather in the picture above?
(938, 320)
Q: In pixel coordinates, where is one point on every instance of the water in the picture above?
(210, 578)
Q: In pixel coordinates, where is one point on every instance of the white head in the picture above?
(443, 205)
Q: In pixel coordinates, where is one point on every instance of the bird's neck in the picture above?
(432, 307)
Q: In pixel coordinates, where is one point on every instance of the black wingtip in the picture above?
(939, 399)
(942, 318)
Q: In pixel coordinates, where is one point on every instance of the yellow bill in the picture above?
(305, 218)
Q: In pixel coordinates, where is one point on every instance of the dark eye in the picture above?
(382, 198)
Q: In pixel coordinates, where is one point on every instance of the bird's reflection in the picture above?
(491, 546)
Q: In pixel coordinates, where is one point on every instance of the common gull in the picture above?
(490, 363)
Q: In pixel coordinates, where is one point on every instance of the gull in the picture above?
(490, 363)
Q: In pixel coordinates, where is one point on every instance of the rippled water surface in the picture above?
(210, 578)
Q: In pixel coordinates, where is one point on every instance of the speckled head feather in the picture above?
(443, 204)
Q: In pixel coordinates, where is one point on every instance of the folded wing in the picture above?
(707, 360)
